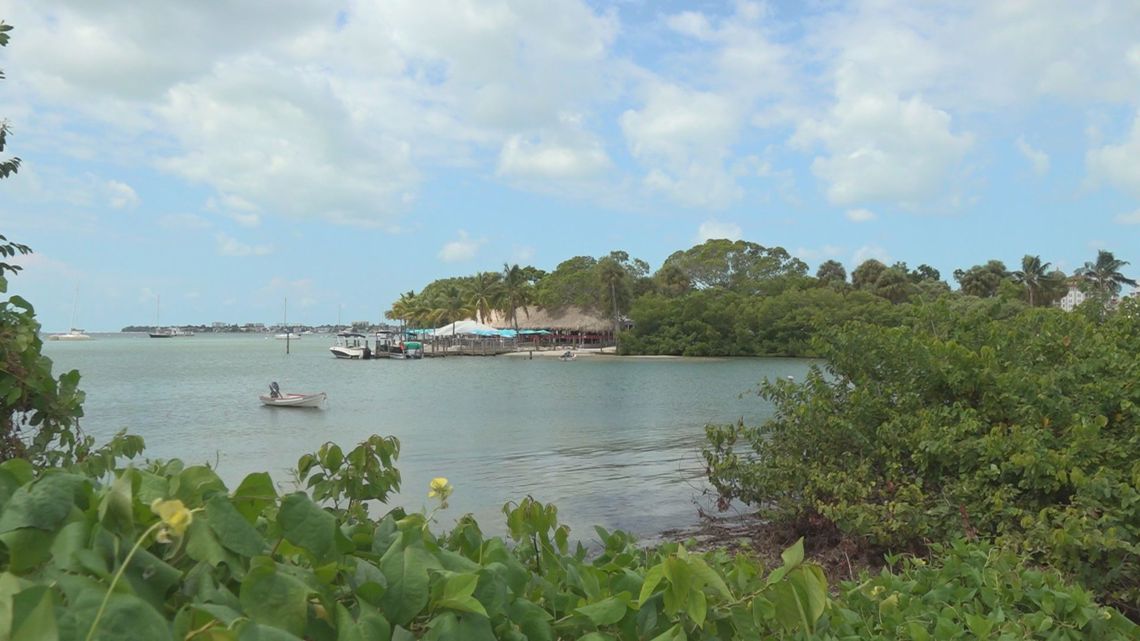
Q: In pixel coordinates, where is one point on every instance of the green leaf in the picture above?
(196, 483)
(406, 569)
(307, 526)
(255, 493)
(203, 545)
(129, 618)
(116, 511)
(346, 628)
(794, 555)
(463, 604)
(709, 577)
(675, 633)
(811, 588)
(607, 611)
(19, 468)
(34, 548)
(652, 578)
(275, 599)
(234, 532)
(460, 585)
(42, 505)
(151, 578)
(698, 607)
(33, 615)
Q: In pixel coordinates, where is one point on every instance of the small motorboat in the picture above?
(276, 398)
(567, 356)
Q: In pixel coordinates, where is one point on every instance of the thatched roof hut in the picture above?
(573, 319)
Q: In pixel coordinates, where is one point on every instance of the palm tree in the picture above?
(612, 276)
(1104, 275)
(1033, 274)
(453, 307)
(517, 292)
(483, 294)
(401, 309)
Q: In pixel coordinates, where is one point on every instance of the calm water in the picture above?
(613, 441)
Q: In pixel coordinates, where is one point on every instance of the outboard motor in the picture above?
(274, 390)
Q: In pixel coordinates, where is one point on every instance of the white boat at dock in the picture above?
(351, 345)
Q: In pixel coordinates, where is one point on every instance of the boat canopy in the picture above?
(351, 335)
(469, 328)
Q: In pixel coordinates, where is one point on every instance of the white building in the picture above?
(1072, 299)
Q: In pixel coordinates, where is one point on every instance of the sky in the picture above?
(224, 158)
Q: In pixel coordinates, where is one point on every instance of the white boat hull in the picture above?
(347, 352)
(73, 335)
(295, 400)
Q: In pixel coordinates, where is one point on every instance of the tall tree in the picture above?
(11, 165)
(613, 276)
(867, 274)
(893, 284)
(453, 306)
(982, 281)
(739, 265)
(670, 280)
(1032, 275)
(402, 308)
(831, 272)
(517, 292)
(483, 294)
(1103, 277)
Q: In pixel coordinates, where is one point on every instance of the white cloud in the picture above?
(121, 195)
(548, 160)
(684, 136)
(827, 251)
(236, 208)
(713, 229)
(883, 148)
(229, 246)
(1037, 158)
(860, 215)
(1119, 164)
(1128, 219)
(867, 252)
(184, 222)
(461, 249)
(311, 115)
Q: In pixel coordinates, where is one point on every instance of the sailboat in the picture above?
(74, 334)
(165, 332)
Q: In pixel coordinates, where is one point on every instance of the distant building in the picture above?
(1073, 298)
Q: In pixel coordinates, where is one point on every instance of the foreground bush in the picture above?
(169, 552)
(1024, 430)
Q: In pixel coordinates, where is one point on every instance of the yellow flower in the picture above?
(175, 517)
(439, 487)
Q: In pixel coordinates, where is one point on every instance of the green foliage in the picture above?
(982, 281)
(740, 266)
(11, 165)
(171, 553)
(39, 413)
(972, 592)
(961, 422)
(722, 323)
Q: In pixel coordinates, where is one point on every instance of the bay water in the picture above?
(612, 441)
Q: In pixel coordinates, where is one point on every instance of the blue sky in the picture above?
(225, 156)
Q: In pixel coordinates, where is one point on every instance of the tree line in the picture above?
(725, 297)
